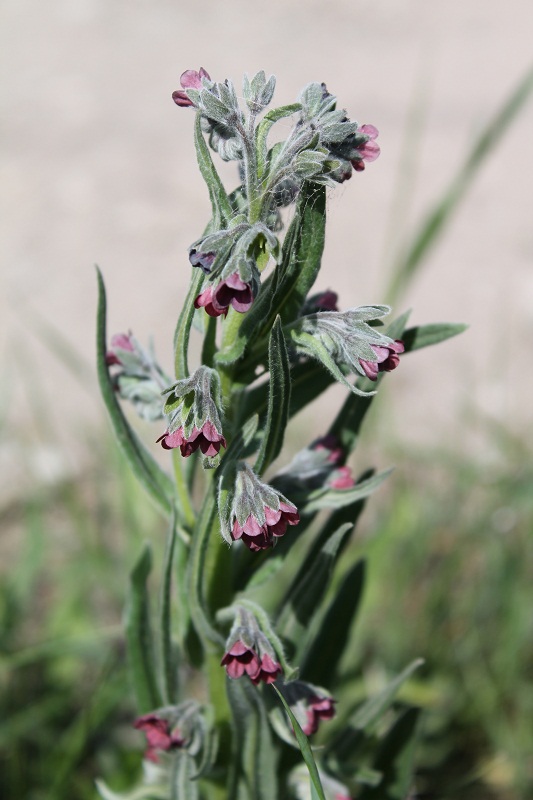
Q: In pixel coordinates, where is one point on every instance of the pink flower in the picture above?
(159, 735)
(120, 341)
(259, 537)
(190, 79)
(241, 659)
(207, 438)
(333, 447)
(369, 150)
(342, 478)
(387, 359)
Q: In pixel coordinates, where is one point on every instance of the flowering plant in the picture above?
(247, 658)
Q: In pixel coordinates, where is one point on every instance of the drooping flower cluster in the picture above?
(319, 465)
(249, 652)
(137, 377)
(344, 340)
(173, 728)
(257, 514)
(309, 704)
(192, 408)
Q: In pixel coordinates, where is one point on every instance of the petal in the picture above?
(369, 130)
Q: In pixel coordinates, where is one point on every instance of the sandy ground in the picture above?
(98, 166)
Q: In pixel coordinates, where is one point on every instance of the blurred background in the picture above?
(98, 167)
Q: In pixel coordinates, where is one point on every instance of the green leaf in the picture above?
(303, 743)
(433, 225)
(426, 335)
(222, 211)
(312, 346)
(158, 792)
(308, 588)
(157, 483)
(196, 574)
(327, 646)
(338, 498)
(254, 756)
(263, 130)
(168, 665)
(139, 638)
(395, 760)
(183, 328)
(278, 399)
(182, 785)
(373, 709)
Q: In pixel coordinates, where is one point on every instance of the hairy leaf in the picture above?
(278, 399)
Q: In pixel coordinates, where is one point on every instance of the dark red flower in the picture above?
(159, 735)
(190, 79)
(387, 359)
(205, 300)
(242, 659)
(207, 438)
(260, 537)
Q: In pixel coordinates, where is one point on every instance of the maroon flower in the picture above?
(387, 359)
(318, 708)
(253, 659)
(231, 291)
(369, 150)
(241, 659)
(159, 735)
(326, 301)
(205, 300)
(190, 79)
(330, 443)
(120, 341)
(260, 537)
(207, 438)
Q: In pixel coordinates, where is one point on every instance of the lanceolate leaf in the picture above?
(395, 760)
(183, 328)
(222, 211)
(278, 399)
(337, 498)
(182, 786)
(263, 130)
(367, 714)
(254, 756)
(333, 629)
(303, 743)
(168, 666)
(155, 481)
(309, 586)
(139, 637)
(426, 335)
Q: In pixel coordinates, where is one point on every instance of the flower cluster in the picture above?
(249, 652)
(309, 704)
(173, 728)
(137, 377)
(258, 514)
(319, 465)
(192, 407)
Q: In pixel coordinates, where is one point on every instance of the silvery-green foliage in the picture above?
(240, 607)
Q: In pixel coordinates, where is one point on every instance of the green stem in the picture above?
(210, 638)
(184, 506)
